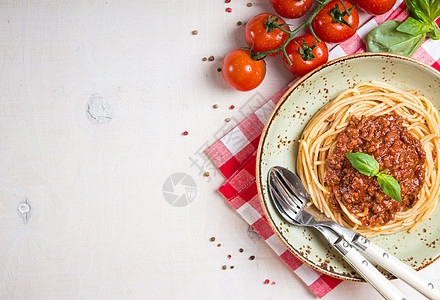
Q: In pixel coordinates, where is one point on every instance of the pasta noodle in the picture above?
(319, 138)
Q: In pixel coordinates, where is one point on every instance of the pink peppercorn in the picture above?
(229, 10)
(185, 133)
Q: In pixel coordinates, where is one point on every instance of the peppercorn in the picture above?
(195, 32)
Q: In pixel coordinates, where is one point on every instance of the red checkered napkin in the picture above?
(235, 155)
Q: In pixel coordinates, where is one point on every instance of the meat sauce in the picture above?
(395, 149)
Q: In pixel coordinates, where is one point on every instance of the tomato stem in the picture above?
(345, 8)
(287, 56)
(292, 34)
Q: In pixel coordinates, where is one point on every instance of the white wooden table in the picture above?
(94, 97)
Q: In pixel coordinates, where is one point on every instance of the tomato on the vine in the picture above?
(241, 72)
(375, 7)
(261, 38)
(291, 9)
(334, 24)
(306, 54)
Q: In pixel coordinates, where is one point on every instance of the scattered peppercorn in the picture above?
(185, 133)
(227, 119)
(239, 23)
(195, 32)
(204, 59)
(219, 69)
(241, 250)
(231, 267)
(266, 281)
(252, 257)
(219, 245)
(227, 1)
(229, 10)
(229, 256)
(206, 174)
(212, 239)
(232, 107)
(249, 4)
(215, 106)
(273, 283)
(211, 58)
(224, 267)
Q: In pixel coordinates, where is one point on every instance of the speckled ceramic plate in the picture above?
(278, 147)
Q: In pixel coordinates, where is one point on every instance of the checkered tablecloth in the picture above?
(235, 154)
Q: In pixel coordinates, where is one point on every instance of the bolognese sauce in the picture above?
(389, 142)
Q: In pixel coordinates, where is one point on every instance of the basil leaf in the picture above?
(434, 10)
(364, 163)
(435, 34)
(419, 9)
(414, 27)
(390, 186)
(385, 38)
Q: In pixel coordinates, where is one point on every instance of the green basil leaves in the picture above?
(386, 38)
(405, 38)
(364, 163)
(367, 165)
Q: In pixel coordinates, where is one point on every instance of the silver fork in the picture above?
(291, 208)
(293, 196)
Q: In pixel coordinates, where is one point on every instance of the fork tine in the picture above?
(291, 189)
(289, 197)
(285, 212)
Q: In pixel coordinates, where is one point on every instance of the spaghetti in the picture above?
(371, 99)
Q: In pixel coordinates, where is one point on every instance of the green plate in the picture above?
(279, 146)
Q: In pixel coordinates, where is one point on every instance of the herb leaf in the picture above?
(419, 9)
(414, 27)
(386, 38)
(364, 163)
(367, 165)
(435, 34)
(424, 10)
(390, 186)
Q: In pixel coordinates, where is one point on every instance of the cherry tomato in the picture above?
(241, 72)
(306, 54)
(375, 7)
(262, 38)
(291, 9)
(333, 24)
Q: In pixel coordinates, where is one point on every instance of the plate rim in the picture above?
(264, 136)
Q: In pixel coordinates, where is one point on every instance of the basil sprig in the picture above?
(406, 37)
(367, 165)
